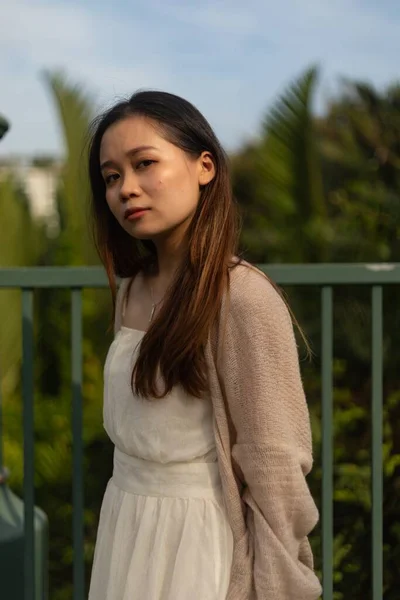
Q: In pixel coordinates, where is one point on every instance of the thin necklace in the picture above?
(153, 304)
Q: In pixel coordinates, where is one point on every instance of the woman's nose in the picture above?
(130, 186)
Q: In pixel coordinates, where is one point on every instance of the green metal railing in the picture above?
(326, 277)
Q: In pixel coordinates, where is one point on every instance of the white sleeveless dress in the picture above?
(163, 531)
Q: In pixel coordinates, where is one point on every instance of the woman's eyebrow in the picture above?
(132, 152)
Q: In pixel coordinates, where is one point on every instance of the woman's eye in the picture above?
(144, 163)
(110, 178)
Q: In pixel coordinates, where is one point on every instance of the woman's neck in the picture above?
(161, 273)
(170, 253)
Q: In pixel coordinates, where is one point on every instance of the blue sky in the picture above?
(231, 58)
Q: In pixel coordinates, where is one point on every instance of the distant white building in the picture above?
(40, 186)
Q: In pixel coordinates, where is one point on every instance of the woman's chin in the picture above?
(143, 233)
(138, 230)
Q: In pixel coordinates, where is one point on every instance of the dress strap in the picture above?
(120, 303)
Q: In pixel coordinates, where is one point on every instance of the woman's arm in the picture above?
(264, 392)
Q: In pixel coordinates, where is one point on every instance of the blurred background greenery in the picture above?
(311, 189)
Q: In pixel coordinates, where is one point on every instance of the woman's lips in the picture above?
(135, 213)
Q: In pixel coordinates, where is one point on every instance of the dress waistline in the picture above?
(185, 480)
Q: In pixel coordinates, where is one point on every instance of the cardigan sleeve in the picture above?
(273, 449)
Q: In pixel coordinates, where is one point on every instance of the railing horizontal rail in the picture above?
(319, 274)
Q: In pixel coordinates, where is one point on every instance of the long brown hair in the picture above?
(175, 341)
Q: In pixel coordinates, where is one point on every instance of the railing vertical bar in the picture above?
(29, 447)
(1, 424)
(77, 429)
(377, 439)
(327, 442)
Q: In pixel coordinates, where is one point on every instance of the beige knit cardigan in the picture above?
(263, 441)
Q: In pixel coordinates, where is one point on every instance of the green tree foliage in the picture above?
(359, 140)
(278, 182)
(311, 190)
(53, 433)
(21, 241)
(74, 108)
(72, 247)
(328, 190)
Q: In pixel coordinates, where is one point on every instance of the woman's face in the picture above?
(142, 170)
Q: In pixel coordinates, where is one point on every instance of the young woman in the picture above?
(203, 397)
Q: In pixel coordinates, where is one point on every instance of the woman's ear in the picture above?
(206, 168)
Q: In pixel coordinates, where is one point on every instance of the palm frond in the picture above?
(75, 110)
(291, 158)
(20, 245)
(4, 126)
